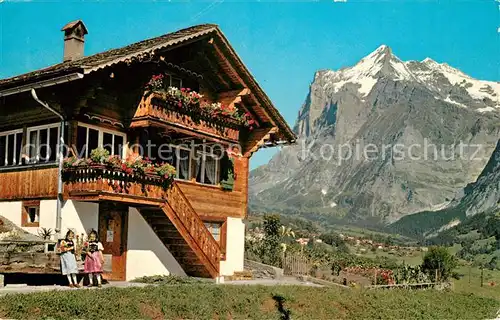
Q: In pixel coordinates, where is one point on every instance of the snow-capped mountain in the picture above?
(446, 83)
(382, 101)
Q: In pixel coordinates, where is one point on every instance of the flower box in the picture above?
(189, 103)
(101, 165)
(154, 107)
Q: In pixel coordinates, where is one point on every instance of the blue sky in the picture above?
(282, 43)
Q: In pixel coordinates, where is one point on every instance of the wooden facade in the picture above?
(108, 102)
(39, 183)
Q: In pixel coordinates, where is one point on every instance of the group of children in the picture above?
(91, 252)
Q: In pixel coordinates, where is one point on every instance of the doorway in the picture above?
(113, 230)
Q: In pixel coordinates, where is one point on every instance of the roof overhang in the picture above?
(41, 84)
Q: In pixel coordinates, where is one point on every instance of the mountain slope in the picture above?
(482, 196)
(381, 140)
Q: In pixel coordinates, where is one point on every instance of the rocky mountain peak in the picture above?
(440, 80)
(384, 101)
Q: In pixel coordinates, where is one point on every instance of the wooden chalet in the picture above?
(185, 97)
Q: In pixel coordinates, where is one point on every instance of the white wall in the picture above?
(235, 247)
(79, 216)
(146, 254)
(12, 210)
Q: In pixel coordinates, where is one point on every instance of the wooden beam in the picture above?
(228, 64)
(214, 69)
(261, 137)
(235, 97)
(263, 110)
(234, 93)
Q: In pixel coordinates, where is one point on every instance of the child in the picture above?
(68, 260)
(93, 259)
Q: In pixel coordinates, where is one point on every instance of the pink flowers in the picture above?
(156, 82)
(191, 102)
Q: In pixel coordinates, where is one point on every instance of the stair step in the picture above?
(183, 254)
(241, 275)
(188, 262)
(163, 234)
(161, 222)
(176, 241)
(179, 246)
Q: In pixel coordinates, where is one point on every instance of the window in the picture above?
(180, 158)
(90, 137)
(215, 229)
(175, 82)
(31, 214)
(42, 143)
(207, 165)
(10, 148)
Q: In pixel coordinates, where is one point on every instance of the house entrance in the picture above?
(113, 231)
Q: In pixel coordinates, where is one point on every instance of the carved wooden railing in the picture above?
(155, 107)
(102, 179)
(203, 244)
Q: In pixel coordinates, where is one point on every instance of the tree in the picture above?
(438, 258)
(336, 241)
(271, 243)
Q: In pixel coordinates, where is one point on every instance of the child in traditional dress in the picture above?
(93, 259)
(68, 260)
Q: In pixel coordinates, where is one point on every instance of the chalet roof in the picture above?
(88, 64)
(110, 57)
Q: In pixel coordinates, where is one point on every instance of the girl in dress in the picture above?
(68, 260)
(93, 259)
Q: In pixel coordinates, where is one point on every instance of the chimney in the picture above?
(74, 39)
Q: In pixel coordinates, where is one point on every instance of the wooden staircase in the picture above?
(184, 234)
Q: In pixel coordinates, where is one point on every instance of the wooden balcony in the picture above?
(154, 111)
(99, 183)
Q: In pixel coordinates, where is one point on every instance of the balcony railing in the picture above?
(155, 108)
(101, 180)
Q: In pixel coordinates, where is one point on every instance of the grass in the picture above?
(474, 286)
(198, 301)
(171, 280)
(414, 258)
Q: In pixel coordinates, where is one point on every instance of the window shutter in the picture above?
(226, 172)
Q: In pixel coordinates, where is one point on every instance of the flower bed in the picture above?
(104, 165)
(189, 102)
(384, 276)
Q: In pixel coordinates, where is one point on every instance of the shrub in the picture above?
(438, 258)
(271, 243)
